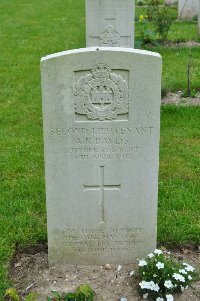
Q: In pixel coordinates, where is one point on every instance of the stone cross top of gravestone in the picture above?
(187, 9)
(101, 113)
(110, 23)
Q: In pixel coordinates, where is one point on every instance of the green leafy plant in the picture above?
(189, 92)
(82, 293)
(146, 35)
(161, 276)
(160, 17)
(140, 2)
(12, 295)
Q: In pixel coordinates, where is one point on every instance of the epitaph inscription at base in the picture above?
(101, 113)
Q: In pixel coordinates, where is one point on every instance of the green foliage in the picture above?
(160, 17)
(191, 93)
(146, 34)
(161, 276)
(82, 293)
(12, 295)
(31, 297)
(140, 2)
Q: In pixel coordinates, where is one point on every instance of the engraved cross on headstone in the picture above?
(101, 187)
(110, 23)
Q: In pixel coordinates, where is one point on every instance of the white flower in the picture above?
(170, 298)
(160, 265)
(182, 279)
(144, 284)
(183, 271)
(145, 296)
(159, 299)
(151, 285)
(158, 252)
(189, 268)
(156, 288)
(132, 273)
(154, 275)
(142, 263)
(178, 277)
(190, 277)
(150, 255)
(168, 284)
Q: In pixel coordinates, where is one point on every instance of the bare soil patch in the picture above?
(186, 44)
(29, 271)
(177, 99)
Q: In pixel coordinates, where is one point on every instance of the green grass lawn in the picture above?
(179, 180)
(32, 29)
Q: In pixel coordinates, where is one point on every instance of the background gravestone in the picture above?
(187, 9)
(199, 18)
(101, 127)
(110, 23)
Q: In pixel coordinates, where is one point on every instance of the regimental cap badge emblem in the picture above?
(109, 37)
(101, 94)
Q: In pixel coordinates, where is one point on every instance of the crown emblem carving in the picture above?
(101, 94)
(101, 71)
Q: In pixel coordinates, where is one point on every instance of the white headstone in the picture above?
(101, 128)
(199, 18)
(187, 9)
(110, 23)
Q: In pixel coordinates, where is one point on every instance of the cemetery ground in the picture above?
(32, 30)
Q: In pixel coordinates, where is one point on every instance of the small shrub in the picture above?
(161, 276)
(160, 17)
(82, 293)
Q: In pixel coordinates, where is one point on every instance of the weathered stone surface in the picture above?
(187, 9)
(110, 23)
(199, 18)
(101, 128)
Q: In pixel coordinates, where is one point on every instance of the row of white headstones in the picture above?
(101, 112)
